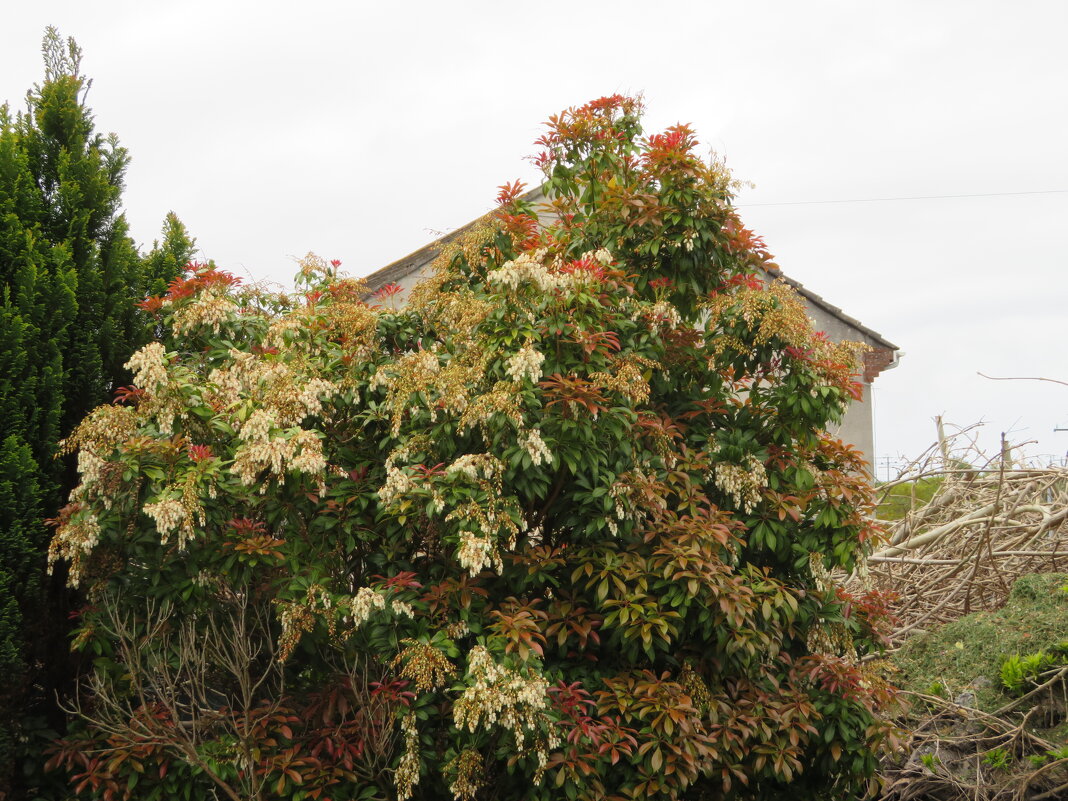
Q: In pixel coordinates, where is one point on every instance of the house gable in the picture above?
(857, 426)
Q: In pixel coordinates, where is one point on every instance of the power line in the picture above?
(913, 197)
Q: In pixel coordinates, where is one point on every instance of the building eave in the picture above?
(396, 271)
(835, 311)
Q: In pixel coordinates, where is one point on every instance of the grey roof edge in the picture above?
(403, 267)
(829, 307)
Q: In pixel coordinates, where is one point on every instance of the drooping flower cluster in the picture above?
(407, 773)
(427, 667)
(483, 526)
(627, 377)
(499, 696)
(828, 637)
(664, 316)
(168, 513)
(535, 446)
(413, 372)
(469, 775)
(602, 256)
(149, 367)
(297, 619)
(476, 466)
(265, 448)
(209, 310)
(398, 484)
(97, 439)
(525, 364)
(475, 552)
(74, 541)
(741, 483)
(286, 394)
(364, 603)
(529, 268)
(90, 469)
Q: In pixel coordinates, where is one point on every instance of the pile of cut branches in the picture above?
(989, 521)
(965, 527)
(958, 752)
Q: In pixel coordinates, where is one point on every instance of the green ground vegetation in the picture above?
(1001, 728)
(977, 652)
(903, 497)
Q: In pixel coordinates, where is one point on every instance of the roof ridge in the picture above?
(406, 265)
(399, 269)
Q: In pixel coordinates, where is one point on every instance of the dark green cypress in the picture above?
(70, 279)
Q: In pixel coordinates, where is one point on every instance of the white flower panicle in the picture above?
(228, 384)
(91, 469)
(165, 420)
(250, 461)
(602, 256)
(501, 696)
(475, 466)
(469, 775)
(314, 391)
(475, 552)
(283, 331)
(364, 603)
(73, 540)
(525, 364)
(258, 426)
(381, 379)
(535, 446)
(528, 268)
(149, 367)
(306, 453)
(419, 362)
(300, 450)
(98, 435)
(168, 513)
(210, 309)
(398, 483)
(285, 393)
(457, 630)
(742, 483)
(485, 520)
(665, 315)
(407, 773)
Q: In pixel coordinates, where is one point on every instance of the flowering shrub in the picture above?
(563, 526)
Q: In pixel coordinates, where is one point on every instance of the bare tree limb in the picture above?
(1023, 378)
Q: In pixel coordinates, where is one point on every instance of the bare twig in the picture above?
(1023, 378)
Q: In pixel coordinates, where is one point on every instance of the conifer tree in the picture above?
(70, 278)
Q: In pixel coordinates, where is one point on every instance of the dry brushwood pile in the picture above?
(988, 522)
(976, 556)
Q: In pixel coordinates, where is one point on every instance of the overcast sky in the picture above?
(361, 131)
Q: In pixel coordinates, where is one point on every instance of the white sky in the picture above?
(360, 131)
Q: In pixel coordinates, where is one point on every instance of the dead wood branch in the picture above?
(949, 755)
(1023, 378)
(989, 521)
